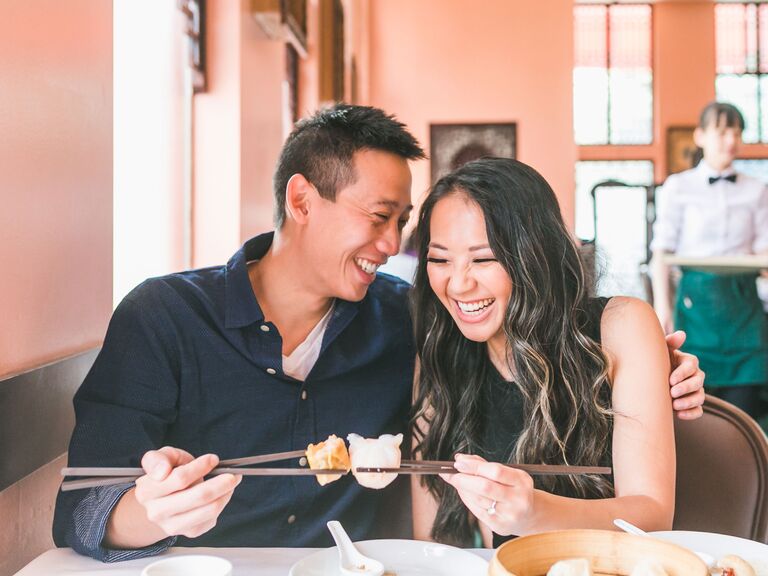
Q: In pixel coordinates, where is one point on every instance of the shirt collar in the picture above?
(706, 170)
(242, 308)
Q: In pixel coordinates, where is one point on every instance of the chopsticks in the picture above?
(108, 476)
(446, 467)
(111, 476)
(277, 456)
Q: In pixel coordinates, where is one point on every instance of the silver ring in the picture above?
(491, 509)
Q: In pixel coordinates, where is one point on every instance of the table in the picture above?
(721, 264)
(246, 561)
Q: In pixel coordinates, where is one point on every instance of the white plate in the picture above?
(402, 557)
(719, 545)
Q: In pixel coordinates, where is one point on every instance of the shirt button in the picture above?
(303, 461)
(687, 302)
(303, 394)
(271, 371)
(264, 328)
(291, 519)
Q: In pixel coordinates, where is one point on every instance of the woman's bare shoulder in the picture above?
(629, 324)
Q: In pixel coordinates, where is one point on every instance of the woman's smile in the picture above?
(474, 311)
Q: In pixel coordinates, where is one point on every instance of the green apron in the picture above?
(726, 326)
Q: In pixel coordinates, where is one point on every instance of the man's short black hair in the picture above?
(714, 112)
(321, 148)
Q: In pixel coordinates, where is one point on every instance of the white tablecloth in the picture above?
(246, 561)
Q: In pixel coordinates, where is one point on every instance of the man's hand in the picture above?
(686, 379)
(171, 499)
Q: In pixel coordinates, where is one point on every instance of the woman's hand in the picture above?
(499, 496)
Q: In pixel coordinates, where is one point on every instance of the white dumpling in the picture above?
(648, 568)
(381, 452)
(739, 566)
(572, 567)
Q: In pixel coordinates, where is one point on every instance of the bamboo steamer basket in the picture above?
(610, 554)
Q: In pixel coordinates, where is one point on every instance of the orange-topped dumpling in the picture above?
(329, 454)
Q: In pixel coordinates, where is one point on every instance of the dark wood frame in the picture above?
(332, 43)
(453, 144)
(682, 152)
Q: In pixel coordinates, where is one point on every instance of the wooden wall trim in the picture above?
(36, 415)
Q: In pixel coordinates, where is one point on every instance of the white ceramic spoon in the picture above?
(708, 559)
(351, 561)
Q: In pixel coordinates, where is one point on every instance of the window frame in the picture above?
(609, 6)
(757, 74)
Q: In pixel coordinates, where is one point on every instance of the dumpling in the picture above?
(381, 452)
(737, 565)
(648, 568)
(572, 567)
(329, 454)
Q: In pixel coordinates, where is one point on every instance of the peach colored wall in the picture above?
(483, 61)
(216, 188)
(55, 179)
(684, 64)
(238, 133)
(262, 69)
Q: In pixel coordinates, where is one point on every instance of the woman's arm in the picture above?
(643, 433)
(643, 445)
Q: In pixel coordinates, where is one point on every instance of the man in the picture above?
(294, 339)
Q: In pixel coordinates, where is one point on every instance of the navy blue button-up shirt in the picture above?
(188, 361)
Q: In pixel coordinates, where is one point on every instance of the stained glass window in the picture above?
(741, 42)
(613, 75)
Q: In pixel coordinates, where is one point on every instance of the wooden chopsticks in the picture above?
(447, 467)
(276, 457)
(108, 476)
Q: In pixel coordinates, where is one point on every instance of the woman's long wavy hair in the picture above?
(561, 373)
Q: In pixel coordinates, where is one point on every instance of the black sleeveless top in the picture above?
(502, 405)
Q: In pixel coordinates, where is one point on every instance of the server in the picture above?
(711, 210)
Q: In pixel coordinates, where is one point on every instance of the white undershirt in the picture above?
(303, 358)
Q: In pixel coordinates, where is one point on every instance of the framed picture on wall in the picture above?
(682, 152)
(452, 145)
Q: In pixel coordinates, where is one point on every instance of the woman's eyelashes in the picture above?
(435, 260)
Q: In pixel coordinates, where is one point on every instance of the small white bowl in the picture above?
(189, 566)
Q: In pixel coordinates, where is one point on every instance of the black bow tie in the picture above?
(731, 178)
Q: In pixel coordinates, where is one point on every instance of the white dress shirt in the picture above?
(698, 219)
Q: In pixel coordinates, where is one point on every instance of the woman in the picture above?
(518, 364)
(706, 212)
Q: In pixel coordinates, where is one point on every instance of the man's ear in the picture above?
(299, 197)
